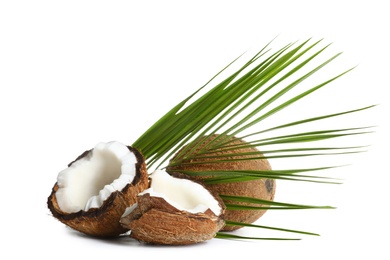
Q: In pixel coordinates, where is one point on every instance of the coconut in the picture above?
(174, 211)
(258, 188)
(92, 193)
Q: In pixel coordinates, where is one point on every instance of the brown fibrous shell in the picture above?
(260, 188)
(104, 221)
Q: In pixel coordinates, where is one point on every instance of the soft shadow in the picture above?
(124, 240)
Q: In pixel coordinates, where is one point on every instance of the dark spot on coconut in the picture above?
(269, 184)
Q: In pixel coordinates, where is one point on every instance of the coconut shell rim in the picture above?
(95, 212)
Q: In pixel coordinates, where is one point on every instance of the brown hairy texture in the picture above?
(104, 221)
(260, 188)
(154, 221)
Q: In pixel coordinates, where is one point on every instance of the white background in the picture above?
(74, 73)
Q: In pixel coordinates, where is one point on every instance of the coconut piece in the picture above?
(174, 211)
(92, 193)
(260, 188)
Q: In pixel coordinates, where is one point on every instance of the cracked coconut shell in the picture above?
(154, 220)
(103, 221)
(260, 188)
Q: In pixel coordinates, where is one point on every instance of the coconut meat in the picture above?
(183, 194)
(89, 181)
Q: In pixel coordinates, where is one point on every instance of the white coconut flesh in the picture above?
(182, 194)
(89, 181)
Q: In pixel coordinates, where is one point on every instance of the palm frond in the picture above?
(232, 97)
(231, 236)
(272, 204)
(236, 107)
(234, 223)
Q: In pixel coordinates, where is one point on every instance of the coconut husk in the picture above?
(155, 221)
(260, 188)
(104, 221)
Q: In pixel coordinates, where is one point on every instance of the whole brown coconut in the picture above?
(103, 221)
(260, 188)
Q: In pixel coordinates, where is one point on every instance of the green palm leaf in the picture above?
(234, 223)
(231, 236)
(272, 204)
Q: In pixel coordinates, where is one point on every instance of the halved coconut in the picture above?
(93, 192)
(174, 211)
(237, 157)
